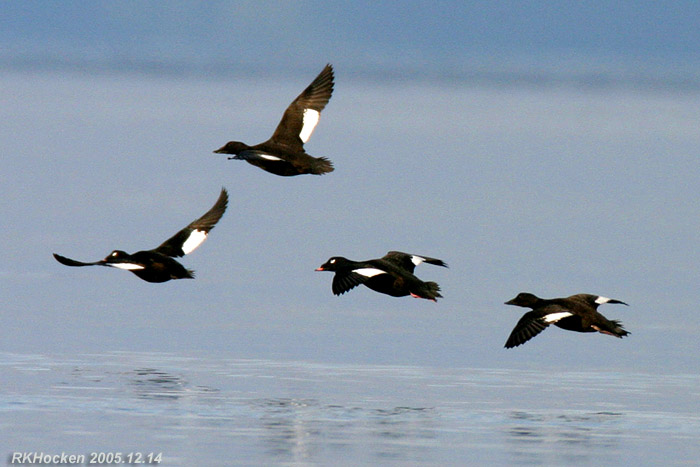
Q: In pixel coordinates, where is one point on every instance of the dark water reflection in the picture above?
(567, 439)
(150, 383)
(300, 429)
(207, 411)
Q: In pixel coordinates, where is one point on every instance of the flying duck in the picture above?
(392, 275)
(283, 154)
(575, 313)
(158, 265)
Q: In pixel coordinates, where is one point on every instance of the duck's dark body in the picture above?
(283, 154)
(391, 275)
(158, 264)
(575, 313)
(157, 267)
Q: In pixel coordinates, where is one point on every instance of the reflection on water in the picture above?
(568, 438)
(290, 427)
(150, 383)
(208, 411)
(298, 428)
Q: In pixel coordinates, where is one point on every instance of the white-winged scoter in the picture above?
(283, 154)
(575, 313)
(158, 265)
(392, 275)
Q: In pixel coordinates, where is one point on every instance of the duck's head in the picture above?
(232, 147)
(524, 299)
(333, 264)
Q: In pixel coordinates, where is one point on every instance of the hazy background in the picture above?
(550, 148)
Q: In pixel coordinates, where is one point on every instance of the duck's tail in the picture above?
(429, 291)
(321, 165)
(613, 329)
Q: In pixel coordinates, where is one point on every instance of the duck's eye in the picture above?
(333, 261)
(115, 254)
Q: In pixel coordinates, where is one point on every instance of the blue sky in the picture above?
(541, 184)
(414, 36)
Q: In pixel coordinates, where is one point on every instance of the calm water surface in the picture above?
(200, 410)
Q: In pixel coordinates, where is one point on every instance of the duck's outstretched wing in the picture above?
(534, 322)
(303, 114)
(72, 262)
(189, 238)
(409, 262)
(346, 280)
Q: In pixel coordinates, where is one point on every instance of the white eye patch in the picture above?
(601, 300)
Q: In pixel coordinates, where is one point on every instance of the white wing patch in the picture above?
(417, 259)
(601, 300)
(126, 266)
(309, 122)
(554, 317)
(269, 157)
(369, 272)
(193, 241)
